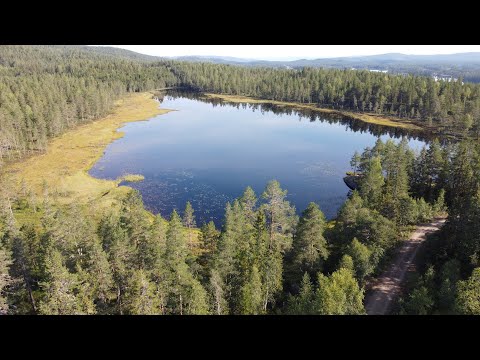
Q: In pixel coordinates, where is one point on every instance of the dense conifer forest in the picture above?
(264, 259)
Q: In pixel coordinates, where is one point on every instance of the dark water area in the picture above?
(208, 151)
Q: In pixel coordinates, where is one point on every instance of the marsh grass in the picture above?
(365, 117)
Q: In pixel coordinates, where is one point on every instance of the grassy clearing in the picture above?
(368, 118)
(132, 178)
(64, 166)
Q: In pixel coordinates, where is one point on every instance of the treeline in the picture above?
(264, 259)
(446, 104)
(45, 90)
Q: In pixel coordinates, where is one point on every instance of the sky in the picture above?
(290, 52)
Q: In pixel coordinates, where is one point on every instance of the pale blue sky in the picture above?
(280, 52)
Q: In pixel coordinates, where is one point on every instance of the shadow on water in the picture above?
(303, 114)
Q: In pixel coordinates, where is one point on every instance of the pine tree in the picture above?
(140, 296)
(188, 216)
(217, 294)
(355, 162)
(280, 216)
(248, 202)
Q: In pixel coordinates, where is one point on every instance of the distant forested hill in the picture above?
(45, 90)
(464, 65)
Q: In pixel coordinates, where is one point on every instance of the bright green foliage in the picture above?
(339, 294)
(369, 227)
(407, 211)
(346, 262)
(439, 206)
(468, 294)
(424, 211)
(361, 256)
(251, 302)
(371, 183)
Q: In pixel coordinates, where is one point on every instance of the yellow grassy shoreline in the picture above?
(65, 165)
(368, 118)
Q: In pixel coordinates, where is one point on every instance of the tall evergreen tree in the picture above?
(371, 184)
(310, 247)
(59, 287)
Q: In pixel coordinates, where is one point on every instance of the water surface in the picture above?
(207, 154)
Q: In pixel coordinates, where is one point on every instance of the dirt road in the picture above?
(387, 287)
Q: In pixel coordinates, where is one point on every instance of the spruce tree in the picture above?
(310, 247)
(251, 302)
(59, 287)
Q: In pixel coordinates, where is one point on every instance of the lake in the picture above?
(208, 151)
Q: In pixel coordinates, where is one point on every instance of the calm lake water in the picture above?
(208, 154)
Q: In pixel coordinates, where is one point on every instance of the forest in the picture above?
(45, 90)
(264, 259)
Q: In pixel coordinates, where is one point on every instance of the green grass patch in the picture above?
(132, 178)
(64, 166)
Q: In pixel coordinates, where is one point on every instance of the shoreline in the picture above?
(365, 117)
(64, 166)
